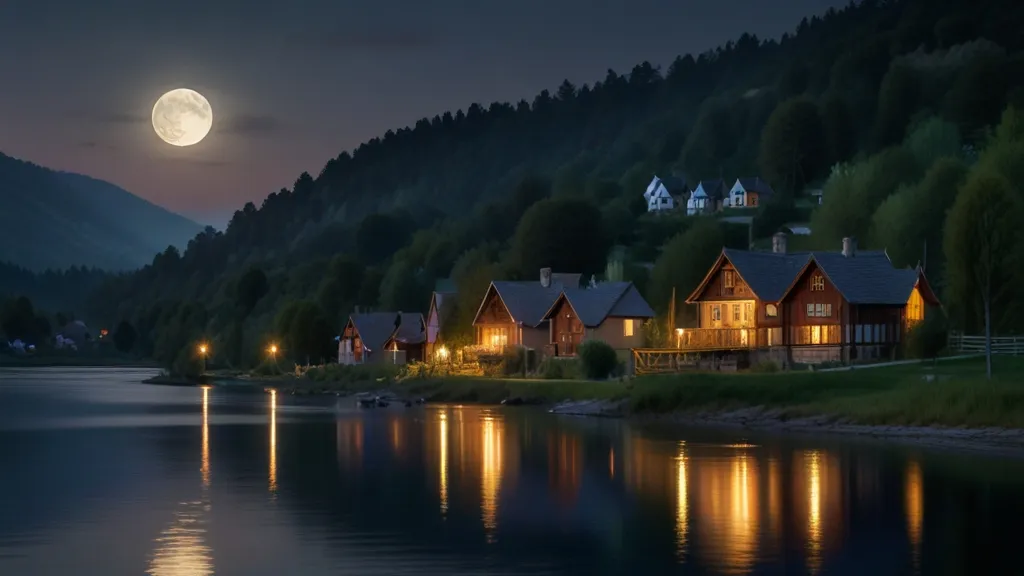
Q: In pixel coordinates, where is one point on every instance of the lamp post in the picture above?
(272, 350)
(202, 356)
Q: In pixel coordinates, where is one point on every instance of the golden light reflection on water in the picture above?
(565, 464)
(205, 458)
(181, 549)
(728, 509)
(814, 511)
(682, 505)
(272, 473)
(914, 506)
(820, 489)
(442, 434)
(349, 441)
(490, 479)
(396, 434)
(774, 501)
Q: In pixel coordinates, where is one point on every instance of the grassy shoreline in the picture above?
(951, 393)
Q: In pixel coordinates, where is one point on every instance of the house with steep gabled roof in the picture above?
(408, 341)
(442, 306)
(512, 313)
(807, 307)
(707, 198)
(749, 193)
(665, 194)
(392, 337)
(613, 312)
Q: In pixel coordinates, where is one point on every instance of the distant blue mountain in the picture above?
(54, 220)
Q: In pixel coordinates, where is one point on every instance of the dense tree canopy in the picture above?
(885, 105)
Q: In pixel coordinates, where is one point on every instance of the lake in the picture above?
(100, 474)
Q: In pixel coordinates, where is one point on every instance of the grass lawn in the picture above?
(948, 393)
(957, 395)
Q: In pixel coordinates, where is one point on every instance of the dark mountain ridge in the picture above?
(55, 220)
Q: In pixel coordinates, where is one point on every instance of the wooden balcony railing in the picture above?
(719, 338)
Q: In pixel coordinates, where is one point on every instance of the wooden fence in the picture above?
(965, 344)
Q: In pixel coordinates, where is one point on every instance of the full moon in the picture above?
(182, 117)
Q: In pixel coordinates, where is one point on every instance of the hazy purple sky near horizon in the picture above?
(294, 83)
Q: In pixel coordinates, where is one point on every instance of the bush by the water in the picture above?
(597, 359)
(559, 369)
(354, 373)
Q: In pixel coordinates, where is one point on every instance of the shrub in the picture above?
(597, 359)
(929, 338)
(559, 369)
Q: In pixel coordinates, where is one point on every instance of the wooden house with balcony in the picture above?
(613, 312)
(808, 307)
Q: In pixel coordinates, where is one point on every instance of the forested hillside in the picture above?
(888, 105)
(56, 220)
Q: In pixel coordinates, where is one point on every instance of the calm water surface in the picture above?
(102, 475)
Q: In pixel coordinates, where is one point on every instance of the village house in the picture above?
(512, 313)
(665, 194)
(749, 193)
(442, 304)
(613, 312)
(707, 198)
(382, 337)
(808, 307)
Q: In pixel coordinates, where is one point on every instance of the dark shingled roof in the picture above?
(768, 274)
(529, 301)
(411, 329)
(594, 305)
(447, 303)
(713, 188)
(756, 185)
(866, 278)
(375, 328)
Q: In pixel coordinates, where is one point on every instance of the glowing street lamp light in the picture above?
(272, 350)
(203, 350)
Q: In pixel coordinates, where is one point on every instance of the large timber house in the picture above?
(808, 307)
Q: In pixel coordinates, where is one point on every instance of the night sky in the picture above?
(293, 83)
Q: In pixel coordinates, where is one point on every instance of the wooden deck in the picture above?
(712, 339)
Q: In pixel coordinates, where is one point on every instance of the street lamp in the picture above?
(272, 350)
(203, 349)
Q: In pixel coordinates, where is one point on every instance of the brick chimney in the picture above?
(849, 247)
(545, 277)
(779, 243)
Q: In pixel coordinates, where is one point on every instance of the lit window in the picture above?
(810, 310)
(716, 312)
(771, 310)
(730, 281)
(817, 283)
(735, 312)
(627, 327)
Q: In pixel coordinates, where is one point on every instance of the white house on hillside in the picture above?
(706, 198)
(663, 195)
(749, 193)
